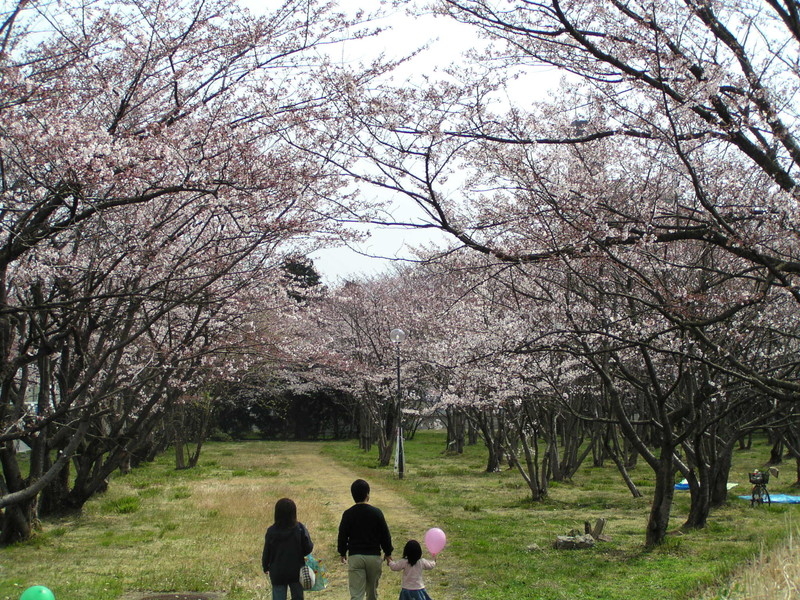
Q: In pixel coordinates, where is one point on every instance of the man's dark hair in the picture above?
(360, 490)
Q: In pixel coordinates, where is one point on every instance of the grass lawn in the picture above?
(161, 530)
(506, 540)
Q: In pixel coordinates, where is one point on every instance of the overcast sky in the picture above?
(447, 42)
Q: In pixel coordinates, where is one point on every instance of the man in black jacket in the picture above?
(363, 533)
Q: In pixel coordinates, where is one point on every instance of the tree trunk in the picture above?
(194, 457)
(180, 462)
(455, 430)
(495, 448)
(719, 477)
(701, 501)
(796, 484)
(663, 495)
(614, 452)
(19, 497)
(598, 450)
(711, 458)
(492, 427)
(386, 438)
(531, 471)
(472, 434)
(572, 442)
(776, 452)
(17, 519)
(556, 474)
(16, 524)
(631, 454)
(365, 435)
(52, 497)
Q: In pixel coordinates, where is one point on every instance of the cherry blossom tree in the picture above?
(355, 324)
(671, 127)
(593, 346)
(149, 195)
(657, 177)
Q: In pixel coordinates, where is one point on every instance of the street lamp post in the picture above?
(397, 336)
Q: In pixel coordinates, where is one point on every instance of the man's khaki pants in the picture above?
(363, 573)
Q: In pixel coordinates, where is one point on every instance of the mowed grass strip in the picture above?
(162, 530)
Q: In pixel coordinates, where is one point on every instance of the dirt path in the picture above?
(329, 489)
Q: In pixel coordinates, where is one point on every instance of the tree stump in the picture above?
(597, 531)
(573, 542)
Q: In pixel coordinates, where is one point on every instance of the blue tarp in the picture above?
(685, 486)
(779, 498)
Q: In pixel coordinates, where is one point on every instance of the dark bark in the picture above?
(663, 496)
(492, 427)
(613, 451)
(456, 427)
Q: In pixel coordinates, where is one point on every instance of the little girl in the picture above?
(412, 564)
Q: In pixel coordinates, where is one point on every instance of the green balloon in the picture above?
(37, 592)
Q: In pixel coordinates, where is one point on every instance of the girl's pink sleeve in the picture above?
(397, 565)
(427, 564)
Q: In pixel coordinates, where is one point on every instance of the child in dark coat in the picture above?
(286, 544)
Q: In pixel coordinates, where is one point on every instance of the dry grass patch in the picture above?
(773, 575)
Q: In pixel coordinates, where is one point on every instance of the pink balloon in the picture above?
(435, 539)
